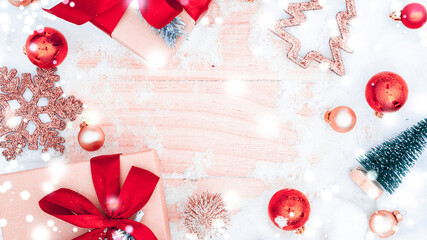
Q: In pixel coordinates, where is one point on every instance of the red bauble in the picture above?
(289, 209)
(46, 48)
(386, 92)
(91, 137)
(414, 15)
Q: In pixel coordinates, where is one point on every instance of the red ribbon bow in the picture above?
(117, 204)
(106, 14)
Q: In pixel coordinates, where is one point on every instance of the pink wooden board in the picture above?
(193, 112)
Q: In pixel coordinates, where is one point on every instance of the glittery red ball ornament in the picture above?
(289, 209)
(386, 92)
(46, 48)
(414, 15)
(91, 137)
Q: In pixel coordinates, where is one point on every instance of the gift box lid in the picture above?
(134, 33)
(22, 218)
(369, 186)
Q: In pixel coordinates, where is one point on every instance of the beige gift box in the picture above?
(136, 35)
(369, 186)
(22, 218)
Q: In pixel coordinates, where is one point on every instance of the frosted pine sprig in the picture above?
(205, 216)
(171, 32)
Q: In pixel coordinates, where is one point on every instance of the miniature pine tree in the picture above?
(391, 160)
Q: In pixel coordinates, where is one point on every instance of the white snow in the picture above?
(340, 210)
(205, 38)
(200, 162)
(179, 195)
(395, 49)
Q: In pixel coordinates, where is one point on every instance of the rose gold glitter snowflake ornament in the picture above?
(205, 216)
(295, 10)
(38, 114)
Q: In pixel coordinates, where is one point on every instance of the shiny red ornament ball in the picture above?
(46, 48)
(414, 15)
(91, 137)
(289, 209)
(386, 92)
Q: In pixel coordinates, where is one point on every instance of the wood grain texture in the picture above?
(191, 112)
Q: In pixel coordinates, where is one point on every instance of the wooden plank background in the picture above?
(192, 112)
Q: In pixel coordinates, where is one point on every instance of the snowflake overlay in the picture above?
(41, 87)
(281, 221)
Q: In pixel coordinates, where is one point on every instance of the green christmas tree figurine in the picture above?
(389, 162)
